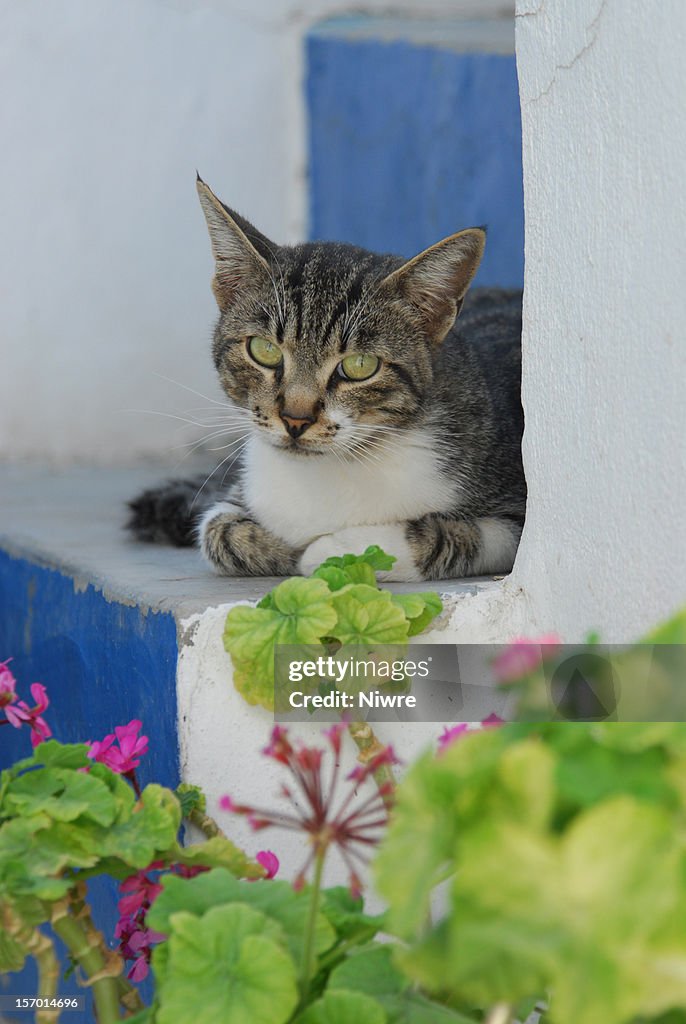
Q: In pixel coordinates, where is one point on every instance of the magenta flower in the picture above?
(492, 720)
(140, 891)
(448, 736)
(135, 943)
(456, 732)
(125, 758)
(21, 714)
(270, 863)
(523, 656)
(7, 685)
(350, 825)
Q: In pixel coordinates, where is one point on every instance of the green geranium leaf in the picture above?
(360, 572)
(346, 913)
(301, 613)
(428, 801)
(63, 794)
(219, 852)
(228, 967)
(334, 578)
(368, 616)
(413, 1008)
(374, 557)
(671, 632)
(35, 849)
(370, 969)
(61, 755)
(150, 830)
(341, 1007)
(191, 798)
(420, 609)
(277, 900)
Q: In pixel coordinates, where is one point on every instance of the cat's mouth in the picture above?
(298, 447)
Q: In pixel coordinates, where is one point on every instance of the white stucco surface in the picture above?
(602, 87)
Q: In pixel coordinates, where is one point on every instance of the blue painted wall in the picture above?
(409, 143)
(103, 663)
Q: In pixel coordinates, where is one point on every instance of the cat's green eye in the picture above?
(265, 352)
(358, 367)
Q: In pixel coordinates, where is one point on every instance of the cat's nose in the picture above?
(296, 425)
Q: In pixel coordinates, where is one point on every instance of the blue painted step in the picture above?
(97, 620)
(415, 133)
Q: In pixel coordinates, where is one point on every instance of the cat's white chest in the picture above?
(300, 499)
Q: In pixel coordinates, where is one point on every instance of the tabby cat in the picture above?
(372, 417)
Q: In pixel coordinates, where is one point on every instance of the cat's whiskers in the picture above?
(229, 422)
(241, 442)
(385, 443)
(213, 401)
(363, 455)
(212, 436)
(230, 465)
(197, 445)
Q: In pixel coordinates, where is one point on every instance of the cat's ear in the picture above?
(240, 251)
(435, 282)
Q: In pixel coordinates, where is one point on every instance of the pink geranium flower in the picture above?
(448, 736)
(270, 863)
(122, 759)
(523, 656)
(350, 823)
(7, 685)
(456, 732)
(21, 714)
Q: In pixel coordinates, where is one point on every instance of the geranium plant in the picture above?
(225, 943)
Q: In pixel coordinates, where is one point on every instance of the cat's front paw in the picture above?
(222, 540)
(355, 540)
(236, 545)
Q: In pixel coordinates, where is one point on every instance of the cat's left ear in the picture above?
(435, 282)
(238, 248)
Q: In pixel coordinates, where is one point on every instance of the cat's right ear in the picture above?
(238, 263)
(433, 284)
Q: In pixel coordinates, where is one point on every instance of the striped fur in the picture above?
(423, 457)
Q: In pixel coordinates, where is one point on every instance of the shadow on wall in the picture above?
(415, 133)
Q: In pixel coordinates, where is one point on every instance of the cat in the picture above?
(372, 416)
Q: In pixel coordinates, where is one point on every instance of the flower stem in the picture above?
(311, 927)
(369, 746)
(41, 948)
(86, 951)
(48, 975)
(208, 826)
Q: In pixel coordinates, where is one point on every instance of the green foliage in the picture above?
(353, 977)
(566, 854)
(227, 966)
(278, 900)
(341, 1007)
(61, 824)
(340, 603)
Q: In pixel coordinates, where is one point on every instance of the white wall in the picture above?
(106, 109)
(602, 87)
